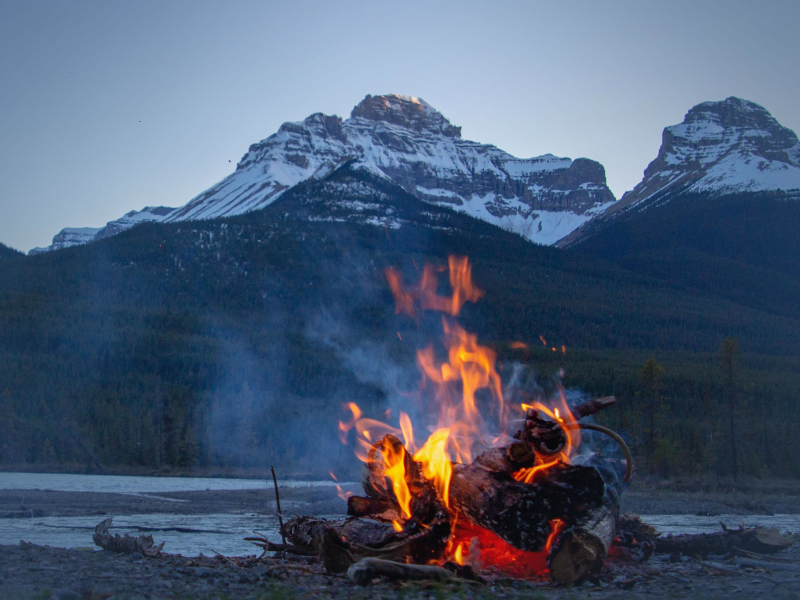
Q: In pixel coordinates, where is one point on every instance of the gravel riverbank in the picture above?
(36, 571)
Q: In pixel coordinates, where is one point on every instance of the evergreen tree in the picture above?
(650, 375)
(729, 357)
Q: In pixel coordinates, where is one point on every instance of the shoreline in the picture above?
(324, 500)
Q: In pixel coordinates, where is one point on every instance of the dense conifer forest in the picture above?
(234, 342)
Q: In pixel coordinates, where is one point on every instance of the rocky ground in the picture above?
(30, 571)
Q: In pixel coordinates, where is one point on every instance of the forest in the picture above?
(233, 343)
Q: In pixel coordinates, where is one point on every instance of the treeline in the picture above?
(725, 413)
(231, 343)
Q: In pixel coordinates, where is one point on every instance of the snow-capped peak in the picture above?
(729, 146)
(407, 140)
(407, 111)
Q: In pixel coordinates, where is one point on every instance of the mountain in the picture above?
(720, 148)
(718, 210)
(76, 236)
(234, 341)
(542, 198)
(68, 237)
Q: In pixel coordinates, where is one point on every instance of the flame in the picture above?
(343, 494)
(461, 392)
(556, 525)
(527, 475)
(436, 463)
(408, 432)
(458, 557)
(567, 423)
(394, 468)
(426, 292)
(345, 427)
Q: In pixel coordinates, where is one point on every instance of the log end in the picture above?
(577, 555)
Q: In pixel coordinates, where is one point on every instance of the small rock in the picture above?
(66, 595)
(203, 572)
(137, 556)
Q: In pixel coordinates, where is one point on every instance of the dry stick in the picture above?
(278, 502)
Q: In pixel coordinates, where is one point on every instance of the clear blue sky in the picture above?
(108, 106)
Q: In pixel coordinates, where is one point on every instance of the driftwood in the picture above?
(340, 543)
(126, 544)
(365, 570)
(761, 540)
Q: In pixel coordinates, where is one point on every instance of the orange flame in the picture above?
(436, 463)
(427, 290)
(458, 557)
(556, 525)
(527, 475)
(463, 384)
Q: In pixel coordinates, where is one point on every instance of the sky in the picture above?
(107, 107)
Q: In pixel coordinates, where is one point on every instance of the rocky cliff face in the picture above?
(414, 145)
(721, 148)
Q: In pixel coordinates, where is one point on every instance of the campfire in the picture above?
(499, 482)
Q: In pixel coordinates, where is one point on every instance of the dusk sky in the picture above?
(107, 107)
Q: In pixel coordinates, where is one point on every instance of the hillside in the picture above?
(234, 341)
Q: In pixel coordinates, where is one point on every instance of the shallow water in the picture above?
(677, 524)
(125, 484)
(222, 533)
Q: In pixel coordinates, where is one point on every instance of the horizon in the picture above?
(118, 107)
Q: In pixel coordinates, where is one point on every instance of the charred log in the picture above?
(339, 543)
(581, 549)
(520, 513)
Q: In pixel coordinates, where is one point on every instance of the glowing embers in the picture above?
(481, 548)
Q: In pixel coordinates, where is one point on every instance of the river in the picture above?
(224, 532)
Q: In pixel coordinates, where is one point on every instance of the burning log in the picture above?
(520, 513)
(524, 493)
(340, 543)
(581, 549)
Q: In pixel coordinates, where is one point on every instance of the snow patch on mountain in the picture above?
(68, 237)
(76, 236)
(406, 140)
(721, 148)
